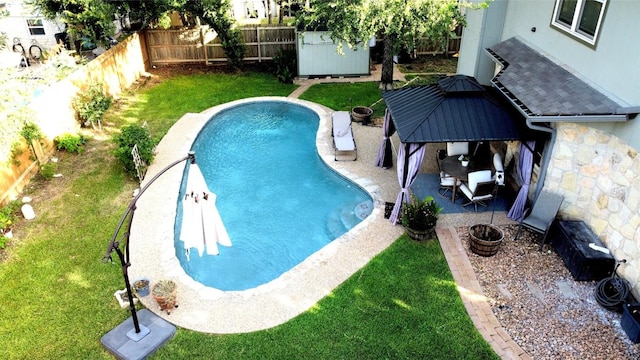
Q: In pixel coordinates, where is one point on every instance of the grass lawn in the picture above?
(344, 96)
(56, 299)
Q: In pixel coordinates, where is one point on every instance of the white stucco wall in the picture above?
(15, 26)
(484, 28)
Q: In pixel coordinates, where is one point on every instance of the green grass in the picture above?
(162, 105)
(344, 96)
(402, 305)
(56, 298)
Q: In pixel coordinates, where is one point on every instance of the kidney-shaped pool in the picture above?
(279, 201)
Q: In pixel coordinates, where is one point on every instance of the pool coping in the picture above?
(210, 310)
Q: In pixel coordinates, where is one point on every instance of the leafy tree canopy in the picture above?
(400, 22)
(89, 19)
(217, 14)
(147, 13)
(93, 19)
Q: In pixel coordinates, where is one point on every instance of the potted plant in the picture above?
(165, 294)
(141, 287)
(419, 217)
(465, 160)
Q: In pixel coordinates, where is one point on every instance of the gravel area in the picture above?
(542, 308)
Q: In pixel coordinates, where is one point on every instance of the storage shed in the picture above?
(318, 56)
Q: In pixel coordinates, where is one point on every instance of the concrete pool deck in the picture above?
(210, 310)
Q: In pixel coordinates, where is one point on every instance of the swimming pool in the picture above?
(279, 201)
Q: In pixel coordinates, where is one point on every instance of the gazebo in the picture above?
(457, 108)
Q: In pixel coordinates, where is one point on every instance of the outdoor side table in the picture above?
(571, 240)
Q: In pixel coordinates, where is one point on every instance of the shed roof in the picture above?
(458, 108)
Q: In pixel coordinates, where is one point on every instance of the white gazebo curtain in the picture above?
(525, 167)
(410, 158)
(385, 154)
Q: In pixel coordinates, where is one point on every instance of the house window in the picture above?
(580, 18)
(35, 26)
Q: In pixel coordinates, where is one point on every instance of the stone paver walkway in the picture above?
(473, 298)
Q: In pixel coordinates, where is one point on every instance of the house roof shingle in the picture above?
(540, 87)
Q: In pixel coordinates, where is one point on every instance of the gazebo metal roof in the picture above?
(457, 108)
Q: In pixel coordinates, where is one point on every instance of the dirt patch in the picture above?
(428, 64)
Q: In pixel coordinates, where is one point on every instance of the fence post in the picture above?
(204, 47)
(259, 50)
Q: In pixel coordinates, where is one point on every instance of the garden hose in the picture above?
(612, 292)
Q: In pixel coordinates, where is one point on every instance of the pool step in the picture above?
(346, 218)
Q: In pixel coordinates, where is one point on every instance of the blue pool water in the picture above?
(278, 200)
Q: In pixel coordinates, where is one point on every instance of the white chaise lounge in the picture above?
(342, 134)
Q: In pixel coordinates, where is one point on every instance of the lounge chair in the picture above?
(541, 217)
(342, 134)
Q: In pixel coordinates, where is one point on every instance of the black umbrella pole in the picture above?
(115, 245)
(125, 275)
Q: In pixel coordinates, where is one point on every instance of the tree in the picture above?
(400, 23)
(217, 14)
(148, 13)
(91, 20)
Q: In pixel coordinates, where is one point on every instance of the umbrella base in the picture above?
(124, 343)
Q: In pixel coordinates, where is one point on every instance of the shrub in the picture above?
(8, 216)
(234, 48)
(70, 142)
(285, 62)
(420, 214)
(31, 132)
(48, 170)
(91, 104)
(129, 136)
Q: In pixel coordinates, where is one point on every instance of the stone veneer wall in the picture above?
(599, 176)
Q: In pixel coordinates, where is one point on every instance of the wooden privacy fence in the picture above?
(428, 47)
(116, 70)
(202, 45)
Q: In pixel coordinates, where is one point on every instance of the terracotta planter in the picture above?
(361, 114)
(485, 239)
(165, 293)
